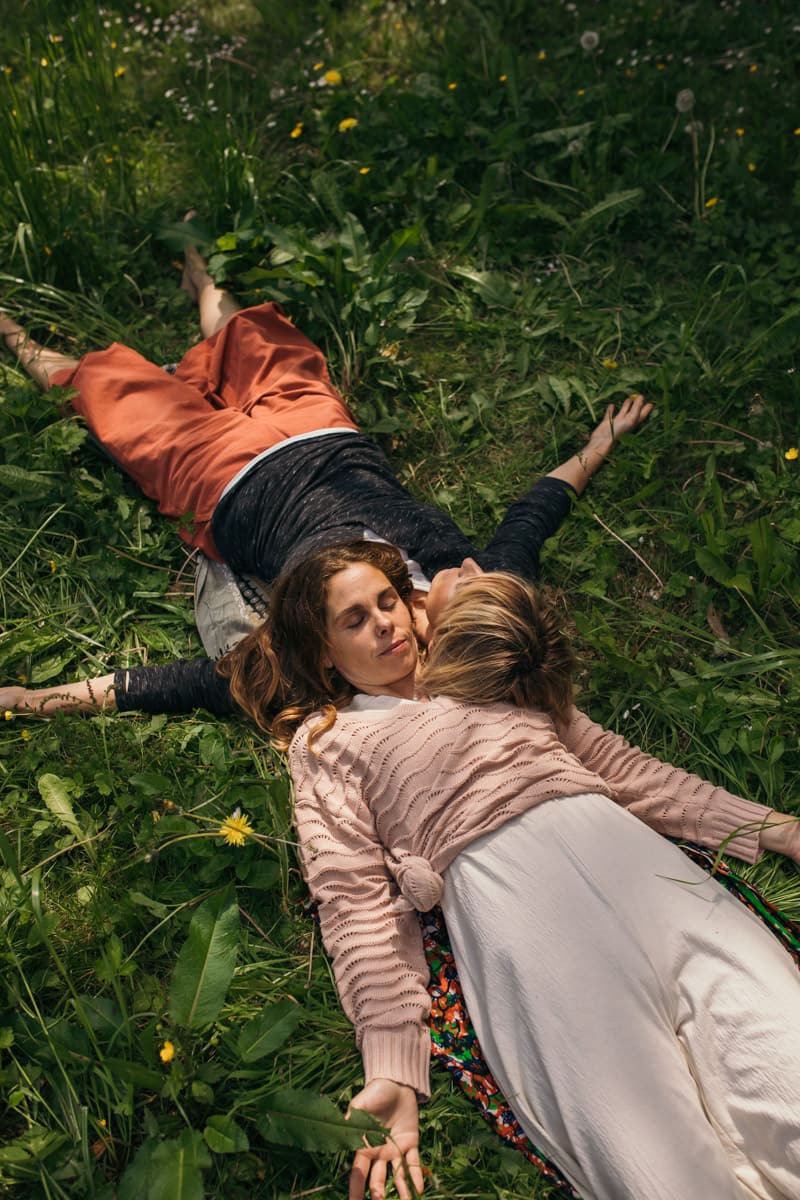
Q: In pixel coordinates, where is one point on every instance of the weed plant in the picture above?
(496, 217)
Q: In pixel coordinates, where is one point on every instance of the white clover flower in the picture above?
(589, 40)
(684, 101)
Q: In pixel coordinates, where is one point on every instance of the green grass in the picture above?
(486, 264)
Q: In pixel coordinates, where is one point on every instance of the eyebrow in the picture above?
(359, 607)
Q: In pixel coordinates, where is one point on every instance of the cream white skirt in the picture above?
(642, 1023)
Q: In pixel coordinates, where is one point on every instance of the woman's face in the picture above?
(370, 633)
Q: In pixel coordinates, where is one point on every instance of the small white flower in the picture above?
(589, 40)
(684, 101)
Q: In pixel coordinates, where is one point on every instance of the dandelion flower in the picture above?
(23, 679)
(542, 55)
(751, 167)
(318, 66)
(297, 131)
(661, 66)
(364, 170)
(156, 815)
(753, 68)
(684, 101)
(503, 78)
(347, 123)
(740, 132)
(235, 829)
(589, 40)
(25, 735)
(8, 715)
(167, 1052)
(333, 77)
(610, 363)
(791, 454)
(120, 71)
(581, 92)
(451, 87)
(797, 131)
(43, 62)
(711, 201)
(52, 566)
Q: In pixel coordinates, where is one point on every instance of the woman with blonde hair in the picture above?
(640, 1021)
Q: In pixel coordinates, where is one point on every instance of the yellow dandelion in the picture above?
(347, 123)
(7, 70)
(25, 735)
(23, 679)
(503, 78)
(661, 66)
(109, 158)
(797, 131)
(581, 91)
(711, 201)
(364, 170)
(318, 66)
(156, 815)
(610, 363)
(167, 1052)
(753, 68)
(542, 55)
(791, 454)
(48, 251)
(451, 87)
(740, 132)
(52, 566)
(113, 45)
(297, 131)
(751, 167)
(8, 715)
(629, 72)
(43, 62)
(120, 71)
(235, 829)
(333, 77)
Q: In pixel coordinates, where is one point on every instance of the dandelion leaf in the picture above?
(224, 1136)
(206, 962)
(613, 205)
(54, 791)
(168, 1170)
(268, 1030)
(312, 1122)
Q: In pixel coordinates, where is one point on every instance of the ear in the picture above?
(327, 665)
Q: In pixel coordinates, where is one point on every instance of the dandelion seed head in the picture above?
(684, 101)
(590, 40)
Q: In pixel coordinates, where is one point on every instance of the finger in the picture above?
(377, 1179)
(358, 1175)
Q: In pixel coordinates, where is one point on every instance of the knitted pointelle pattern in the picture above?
(385, 800)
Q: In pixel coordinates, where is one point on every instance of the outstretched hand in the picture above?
(395, 1106)
(633, 412)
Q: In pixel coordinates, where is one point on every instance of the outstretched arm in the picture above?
(85, 695)
(578, 470)
(395, 1106)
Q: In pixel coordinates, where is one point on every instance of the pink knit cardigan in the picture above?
(386, 799)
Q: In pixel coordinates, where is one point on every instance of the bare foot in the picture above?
(195, 276)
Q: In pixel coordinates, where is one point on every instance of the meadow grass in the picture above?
(515, 224)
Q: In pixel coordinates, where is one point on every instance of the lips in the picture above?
(395, 646)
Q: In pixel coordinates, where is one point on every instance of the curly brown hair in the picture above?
(277, 673)
(497, 641)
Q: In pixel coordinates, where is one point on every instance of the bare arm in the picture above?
(85, 695)
(578, 470)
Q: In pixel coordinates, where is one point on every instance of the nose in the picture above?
(469, 568)
(384, 622)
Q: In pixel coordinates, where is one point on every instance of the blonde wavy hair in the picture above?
(277, 674)
(498, 641)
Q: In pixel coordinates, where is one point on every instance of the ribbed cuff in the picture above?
(403, 1055)
(731, 813)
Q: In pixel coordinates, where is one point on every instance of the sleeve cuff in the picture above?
(402, 1054)
(734, 824)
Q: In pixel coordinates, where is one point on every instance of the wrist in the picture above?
(777, 831)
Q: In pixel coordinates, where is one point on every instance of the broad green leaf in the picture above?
(54, 791)
(312, 1122)
(176, 1167)
(122, 1069)
(612, 204)
(30, 484)
(224, 1136)
(206, 962)
(268, 1030)
(492, 287)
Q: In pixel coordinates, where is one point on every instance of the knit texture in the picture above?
(385, 800)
